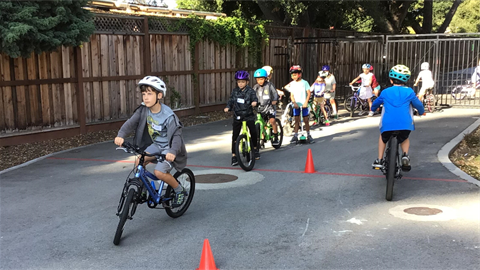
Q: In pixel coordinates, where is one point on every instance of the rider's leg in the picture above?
(274, 125)
(166, 177)
(334, 106)
(381, 147)
(405, 146)
(369, 100)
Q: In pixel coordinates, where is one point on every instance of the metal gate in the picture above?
(452, 58)
(345, 56)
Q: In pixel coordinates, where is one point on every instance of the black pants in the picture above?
(237, 126)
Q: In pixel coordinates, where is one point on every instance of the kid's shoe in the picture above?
(336, 116)
(275, 139)
(179, 198)
(294, 139)
(257, 154)
(370, 113)
(234, 161)
(406, 163)
(310, 139)
(361, 112)
(377, 164)
(327, 123)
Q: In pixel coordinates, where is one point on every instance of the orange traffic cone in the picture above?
(207, 262)
(309, 167)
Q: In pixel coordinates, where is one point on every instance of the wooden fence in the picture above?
(93, 87)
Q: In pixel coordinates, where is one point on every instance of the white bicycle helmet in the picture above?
(268, 69)
(424, 66)
(154, 82)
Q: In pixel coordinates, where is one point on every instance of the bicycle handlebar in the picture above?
(133, 149)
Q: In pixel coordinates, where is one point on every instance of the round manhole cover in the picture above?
(423, 211)
(215, 178)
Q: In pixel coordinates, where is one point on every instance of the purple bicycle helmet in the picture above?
(242, 75)
(326, 68)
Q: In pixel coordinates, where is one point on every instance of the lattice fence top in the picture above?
(166, 25)
(119, 25)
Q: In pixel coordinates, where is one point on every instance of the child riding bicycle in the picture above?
(397, 114)
(241, 101)
(318, 92)
(299, 94)
(365, 91)
(157, 131)
(267, 99)
(427, 80)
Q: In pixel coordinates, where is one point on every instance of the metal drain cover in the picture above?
(423, 211)
(215, 178)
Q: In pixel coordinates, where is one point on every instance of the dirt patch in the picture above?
(467, 155)
(18, 154)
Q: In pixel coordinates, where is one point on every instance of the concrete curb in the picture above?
(49, 155)
(443, 154)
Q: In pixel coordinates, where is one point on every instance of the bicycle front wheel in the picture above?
(244, 151)
(187, 180)
(127, 204)
(391, 166)
(347, 103)
(280, 134)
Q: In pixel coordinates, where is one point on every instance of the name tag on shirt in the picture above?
(240, 100)
(265, 97)
(157, 127)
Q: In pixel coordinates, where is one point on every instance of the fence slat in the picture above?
(121, 72)
(8, 111)
(21, 110)
(97, 86)
(33, 92)
(67, 86)
(105, 72)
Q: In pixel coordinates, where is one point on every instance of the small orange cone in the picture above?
(207, 262)
(309, 167)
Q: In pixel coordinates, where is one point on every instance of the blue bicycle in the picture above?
(354, 102)
(138, 190)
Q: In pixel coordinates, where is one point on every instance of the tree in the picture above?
(467, 18)
(37, 26)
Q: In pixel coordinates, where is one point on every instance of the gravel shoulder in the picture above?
(466, 156)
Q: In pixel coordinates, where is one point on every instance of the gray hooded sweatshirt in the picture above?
(138, 123)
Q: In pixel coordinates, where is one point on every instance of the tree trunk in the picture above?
(266, 7)
(427, 16)
(449, 16)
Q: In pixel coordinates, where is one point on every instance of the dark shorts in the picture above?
(401, 137)
(267, 116)
(296, 112)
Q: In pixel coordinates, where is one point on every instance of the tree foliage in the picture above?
(467, 18)
(37, 26)
(387, 16)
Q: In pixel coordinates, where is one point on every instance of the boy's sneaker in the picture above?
(361, 112)
(406, 163)
(179, 198)
(336, 116)
(257, 154)
(234, 161)
(370, 113)
(275, 139)
(377, 164)
(327, 123)
(310, 139)
(294, 139)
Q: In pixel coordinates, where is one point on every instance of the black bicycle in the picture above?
(392, 164)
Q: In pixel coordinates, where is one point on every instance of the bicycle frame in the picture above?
(142, 174)
(263, 124)
(245, 131)
(357, 99)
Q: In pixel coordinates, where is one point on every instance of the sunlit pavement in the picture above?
(59, 212)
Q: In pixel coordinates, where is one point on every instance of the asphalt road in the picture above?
(59, 213)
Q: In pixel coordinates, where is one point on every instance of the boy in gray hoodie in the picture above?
(157, 131)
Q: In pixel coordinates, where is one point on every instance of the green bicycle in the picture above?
(244, 147)
(265, 131)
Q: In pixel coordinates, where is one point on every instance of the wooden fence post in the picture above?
(196, 84)
(146, 49)
(81, 96)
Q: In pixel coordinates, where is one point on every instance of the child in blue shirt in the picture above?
(397, 114)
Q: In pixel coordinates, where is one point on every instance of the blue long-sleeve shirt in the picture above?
(397, 113)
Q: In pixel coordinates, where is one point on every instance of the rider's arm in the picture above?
(309, 93)
(418, 79)
(417, 104)
(253, 98)
(176, 139)
(274, 94)
(230, 103)
(354, 80)
(130, 125)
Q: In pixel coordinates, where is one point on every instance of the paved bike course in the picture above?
(60, 212)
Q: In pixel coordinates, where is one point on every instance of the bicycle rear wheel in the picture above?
(391, 166)
(280, 134)
(127, 204)
(430, 103)
(244, 152)
(187, 180)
